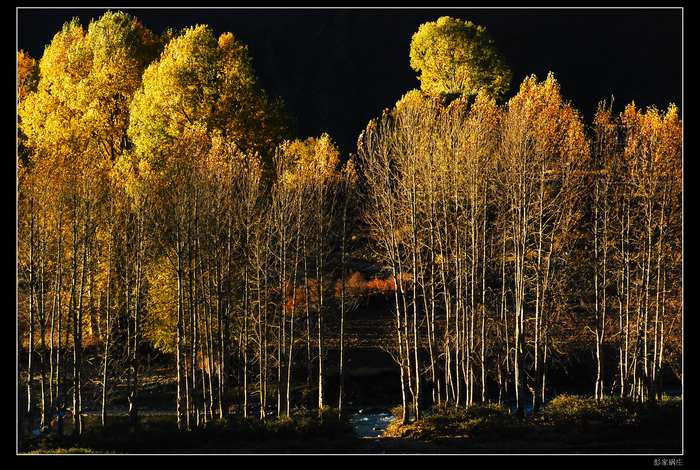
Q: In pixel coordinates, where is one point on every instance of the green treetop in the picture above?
(456, 57)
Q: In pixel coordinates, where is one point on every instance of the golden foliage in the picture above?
(80, 109)
(200, 81)
(27, 74)
(313, 160)
(161, 321)
(456, 57)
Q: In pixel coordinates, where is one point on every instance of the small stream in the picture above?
(370, 422)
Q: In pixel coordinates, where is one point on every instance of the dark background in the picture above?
(336, 69)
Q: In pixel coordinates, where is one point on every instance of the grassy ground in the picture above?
(303, 433)
(568, 424)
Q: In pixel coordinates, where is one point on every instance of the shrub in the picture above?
(569, 409)
(397, 411)
(451, 421)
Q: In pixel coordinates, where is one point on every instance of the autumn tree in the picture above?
(161, 205)
(76, 121)
(651, 154)
(543, 153)
(457, 57)
(199, 79)
(313, 167)
(27, 79)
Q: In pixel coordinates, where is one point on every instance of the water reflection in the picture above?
(370, 422)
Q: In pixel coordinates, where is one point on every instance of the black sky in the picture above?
(337, 69)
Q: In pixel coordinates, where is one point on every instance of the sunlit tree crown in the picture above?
(456, 57)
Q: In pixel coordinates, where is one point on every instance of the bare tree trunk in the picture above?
(246, 312)
(414, 251)
(180, 333)
(208, 325)
(42, 332)
(281, 339)
(309, 366)
(659, 256)
(290, 361)
(30, 346)
(319, 313)
(503, 388)
(435, 377)
(108, 330)
(261, 346)
(133, 406)
(341, 371)
(77, 334)
(483, 303)
(647, 376)
(60, 345)
(595, 285)
(55, 318)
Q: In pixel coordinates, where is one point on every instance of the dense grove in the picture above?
(162, 205)
(513, 234)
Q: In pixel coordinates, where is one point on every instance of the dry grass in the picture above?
(567, 423)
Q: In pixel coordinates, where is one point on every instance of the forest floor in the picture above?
(566, 425)
(158, 434)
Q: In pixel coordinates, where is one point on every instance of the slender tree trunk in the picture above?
(261, 347)
(179, 335)
(290, 361)
(77, 334)
(414, 250)
(341, 368)
(30, 346)
(108, 330)
(55, 319)
(483, 303)
(133, 406)
(42, 332)
(309, 365)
